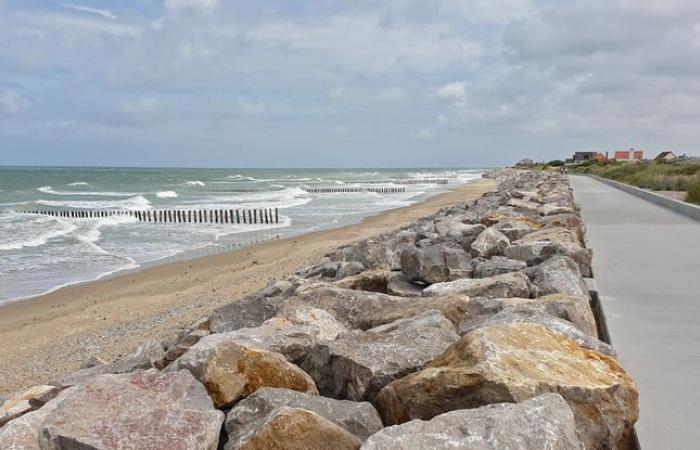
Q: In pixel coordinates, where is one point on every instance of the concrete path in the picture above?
(646, 262)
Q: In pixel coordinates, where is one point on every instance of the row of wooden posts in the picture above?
(408, 181)
(232, 216)
(345, 190)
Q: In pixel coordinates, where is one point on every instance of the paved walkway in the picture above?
(646, 261)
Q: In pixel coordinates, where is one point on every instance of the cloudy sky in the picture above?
(361, 83)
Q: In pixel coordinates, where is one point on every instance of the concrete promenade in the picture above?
(646, 262)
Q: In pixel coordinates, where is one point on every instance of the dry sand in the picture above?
(50, 335)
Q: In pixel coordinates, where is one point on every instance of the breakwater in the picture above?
(476, 320)
(263, 216)
(355, 190)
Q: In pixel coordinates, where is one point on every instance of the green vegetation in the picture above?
(658, 176)
(556, 163)
(693, 193)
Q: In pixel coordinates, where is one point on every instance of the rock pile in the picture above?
(470, 328)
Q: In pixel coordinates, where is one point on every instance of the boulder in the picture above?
(399, 286)
(552, 234)
(496, 265)
(529, 314)
(515, 362)
(181, 347)
(558, 275)
(523, 207)
(26, 401)
(513, 229)
(551, 210)
(490, 242)
(454, 230)
(144, 410)
(248, 312)
(295, 330)
(371, 280)
(147, 356)
(573, 309)
(544, 422)
(231, 371)
(294, 429)
(365, 310)
(23, 432)
(358, 418)
(535, 252)
(513, 284)
(435, 263)
(359, 363)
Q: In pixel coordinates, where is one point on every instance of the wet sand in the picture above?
(51, 335)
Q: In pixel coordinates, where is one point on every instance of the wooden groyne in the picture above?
(346, 190)
(231, 216)
(407, 181)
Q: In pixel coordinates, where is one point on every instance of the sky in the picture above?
(361, 83)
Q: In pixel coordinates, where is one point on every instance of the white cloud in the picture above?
(497, 11)
(197, 6)
(107, 14)
(11, 102)
(455, 92)
(339, 93)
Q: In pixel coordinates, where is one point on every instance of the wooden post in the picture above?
(238, 217)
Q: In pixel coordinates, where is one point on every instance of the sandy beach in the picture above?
(50, 335)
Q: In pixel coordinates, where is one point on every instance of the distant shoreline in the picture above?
(52, 334)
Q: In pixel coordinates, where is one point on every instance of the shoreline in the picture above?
(52, 334)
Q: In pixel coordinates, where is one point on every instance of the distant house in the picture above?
(665, 156)
(629, 155)
(580, 157)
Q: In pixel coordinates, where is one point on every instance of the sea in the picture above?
(41, 253)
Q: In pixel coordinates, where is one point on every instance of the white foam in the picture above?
(50, 190)
(48, 228)
(195, 183)
(79, 183)
(166, 194)
(133, 203)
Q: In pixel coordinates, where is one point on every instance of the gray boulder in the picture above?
(248, 312)
(497, 265)
(173, 411)
(535, 252)
(398, 285)
(454, 230)
(513, 284)
(365, 310)
(147, 356)
(513, 229)
(529, 314)
(358, 418)
(359, 363)
(567, 307)
(26, 401)
(544, 422)
(435, 263)
(558, 275)
(490, 242)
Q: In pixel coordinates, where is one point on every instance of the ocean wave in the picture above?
(43, 230)
(79, 183)
(50, 190)
(166, 194)
(239, 177)
(133, 203)
(195, 183)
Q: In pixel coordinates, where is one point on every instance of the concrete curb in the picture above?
(686, 209)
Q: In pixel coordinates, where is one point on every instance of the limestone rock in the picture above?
(144, 410)
(231, 371)
(515, 362)
(497, 265)
(453, 229)
(146, 356)
(529, 314)
(573, 309)
(512, 284)
(359, 363)
(552, 234)
(544, 422)
(536, 252)
(399, 286)
(490, 242)
(23, 432)
(558, 275)
(435, 263)
(26, 401)
(358, 418)
(365, 310)
(371, 280)
(513, 229)
(294, 429)
(181, 347)
(248, 312)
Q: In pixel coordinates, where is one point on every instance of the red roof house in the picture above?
(629, 155)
